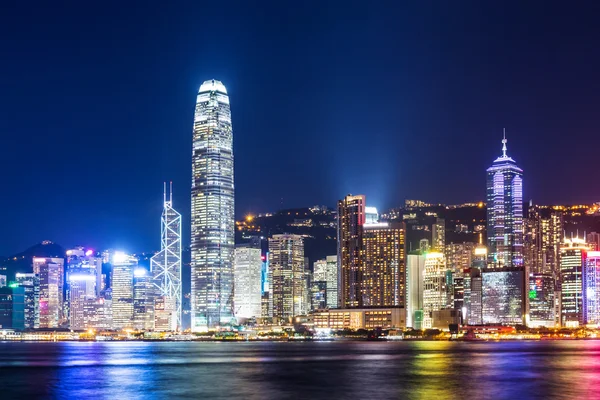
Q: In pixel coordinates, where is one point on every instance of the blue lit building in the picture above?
(505, 212)
(12, 307)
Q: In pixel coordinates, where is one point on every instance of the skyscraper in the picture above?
(505, 212)
(415, 279)
(572, 261)
(123, 266)
(166, 264)
(50, 272)
(248, 265)
(591, 292)
(435, 290)
(351, 218)
(212, 209)
(543, 238)
(287, 276)
(384, 271)
(327, 270)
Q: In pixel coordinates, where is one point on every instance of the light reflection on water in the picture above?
(411, 370)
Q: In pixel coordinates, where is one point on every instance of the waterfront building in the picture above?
(415, 278)
(30, 282)
(213, 221)
(318, 291)
(361, 318)
(327, 270)
(541, 300)
(572, 260)
(435, 289)
(12, 307)
(165, 266)
(503, 296)
(287, 278)
(82, 289)
(98, 314)
(143, 301)
(123, 266)
(505, 212)
(383, 270)
(50, 272)
(351, 218)
(591, 288)
(474, 297)
(247, 277)
(164, 313)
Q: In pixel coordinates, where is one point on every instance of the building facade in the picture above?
(247, 288)
(327, 271)
(123, 267)
(213, 221)
(572, 261)
(503, 296)
(351, 218)
(591, 288)
(165, 266)
(287, 278)
(415, 279)
(50, 272)
(505, 212)
(435, 287)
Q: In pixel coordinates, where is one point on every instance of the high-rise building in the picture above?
(383, 270)
(435, 288)
(505, 212)
(572, 260)
(123, 266)
(474, 297)
(166, 264)
(503, 296)
(541, 300)
(287, 276)
(247, 288)
(371, 215)
(82, 289)
(591, 285)
(318, 292)
(30, 282)
(143, 301)
(213, 221)
(415, 279)
(438, 235)
(543, 238)
(12, 307)
(351, 218)
(593, 240)
(459, 256)
(327, 271)
(50, 272)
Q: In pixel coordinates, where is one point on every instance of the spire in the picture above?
(164, 192)
(504, 144)
(171, 192)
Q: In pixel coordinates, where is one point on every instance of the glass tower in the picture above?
(166, 264)
(505, 212)
(212, 209)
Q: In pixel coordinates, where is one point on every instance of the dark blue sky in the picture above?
(392, 100)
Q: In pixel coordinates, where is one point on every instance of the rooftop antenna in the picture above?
(164, 192)
(171, 192)
(504, 143)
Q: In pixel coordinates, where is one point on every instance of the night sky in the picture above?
(391, 100)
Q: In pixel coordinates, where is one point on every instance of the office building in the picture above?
(164, 313)
(143, 301)
(318, 295)
(50, 272)
(474, 296)
(361, 318)
(327, 270)
(438, 235)
(123, 266)
(459, 256)
(572, 260)
(435, 288)
(543, 237)
(12, 307)
(541, 300)
(503, 296)
(351, 218)
(287, 276)
(165, 265)
(415, 279)
(505, 212)
(3, 281)
(82, 289)
(383, 270)
(593, 240)
(591, 288)
(247, 277)
(213, 222)
(30, 282)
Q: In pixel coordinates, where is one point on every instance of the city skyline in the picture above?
(489, 78)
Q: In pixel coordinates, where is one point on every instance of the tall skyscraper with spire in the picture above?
(166, 264)
(213, 220)
(505, 212)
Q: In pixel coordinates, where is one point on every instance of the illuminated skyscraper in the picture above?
(384, 271)
(31, 283)
(50, 272)
(541, 300)
(435, 289)
(327, 271)
(351, 218)
(287, 276)
(572, 261)
(504, 296)
(123, 266)
(415, 279)
(248, 265)
(212, 209)
(505, 212)
(438, 235)
(543, 238)
(166, 264)
(143, 301)
(591, 285)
